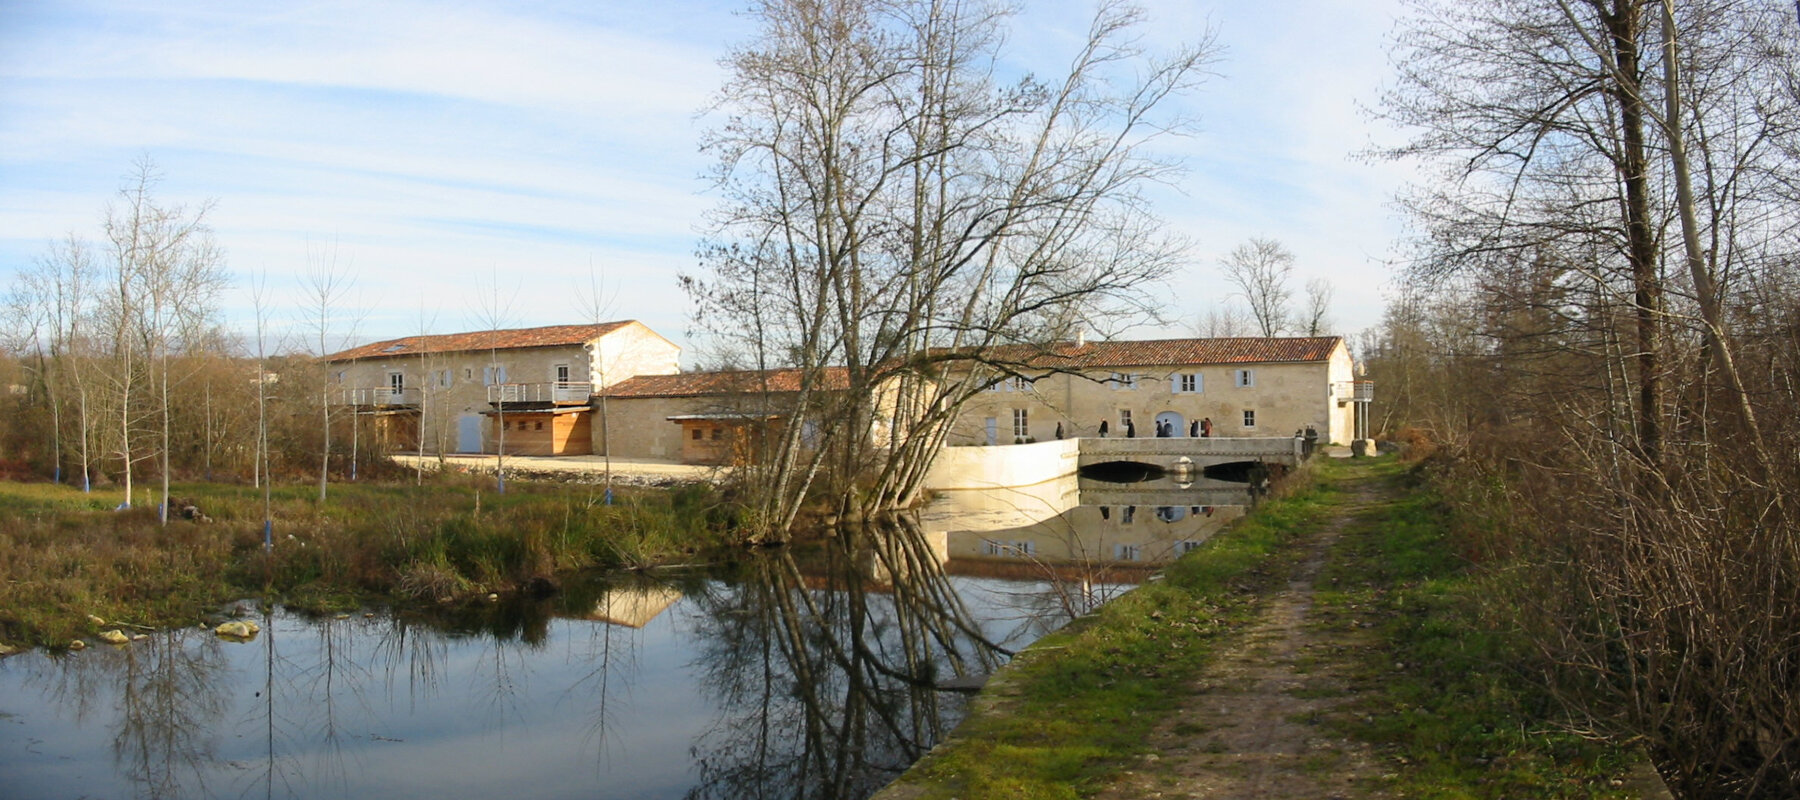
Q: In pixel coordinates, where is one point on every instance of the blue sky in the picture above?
(435, 148)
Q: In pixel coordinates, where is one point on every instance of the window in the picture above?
(1186, 546)
(1186, 383)
(1128, 552)
(1249, 417)
(1021, 423)
(1020, 383)
(1124, 420)
(340, 376)
(539, 426)
(562, 373)
(1015, 549)
(1123, 380)
(717, 432)
(396, 382)
(697, 434)
(444, 378)
(1244, 378)
(468, 373)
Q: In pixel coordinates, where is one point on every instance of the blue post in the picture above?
(609, 495)
(268, 535)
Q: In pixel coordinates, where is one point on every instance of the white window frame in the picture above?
(1021, 420)
(1249, 419)
(1124, 419)
(1128, 552)
(1124, 381)
(396, 380)
(1186, 383)
(562, 373)
(1244, 378)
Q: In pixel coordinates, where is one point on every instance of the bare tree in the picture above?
(326, 290)
(1222, 322)
(494, 312)
(1260, 270)
(1316, 321)
(891, 216)
(165, 276)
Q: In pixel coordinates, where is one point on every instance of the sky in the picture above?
(445, 154)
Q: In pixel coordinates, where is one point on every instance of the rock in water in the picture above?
(77, 645)
(114, 637)
(236, 630)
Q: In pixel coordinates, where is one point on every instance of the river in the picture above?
(817, 672)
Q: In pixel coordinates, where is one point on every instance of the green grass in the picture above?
(1437, 686)
(65, 554)
(1070, 713)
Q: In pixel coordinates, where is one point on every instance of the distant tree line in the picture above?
(120, 369)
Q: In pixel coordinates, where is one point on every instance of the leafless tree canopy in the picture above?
(882, 195)
(1596, 324)
(1260, 270)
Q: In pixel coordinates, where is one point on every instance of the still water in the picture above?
(818, 673)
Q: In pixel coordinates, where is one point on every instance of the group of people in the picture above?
(1164, 429)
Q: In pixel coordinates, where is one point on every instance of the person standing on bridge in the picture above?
(1206, 427)
(1102, 429)
(1130, 429)
(1059, 430)
(1194, 429)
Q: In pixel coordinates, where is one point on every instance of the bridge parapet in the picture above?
(1202, 452)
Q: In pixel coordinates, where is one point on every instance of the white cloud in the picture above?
(437, 143)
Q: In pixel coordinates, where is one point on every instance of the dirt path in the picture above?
(1248, 728)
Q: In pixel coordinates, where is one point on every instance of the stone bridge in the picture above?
(1201, 452)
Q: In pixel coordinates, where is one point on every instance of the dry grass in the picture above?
(65, 554)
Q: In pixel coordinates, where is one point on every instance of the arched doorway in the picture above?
(1176, 425)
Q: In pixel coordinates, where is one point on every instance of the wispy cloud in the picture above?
(435, 143)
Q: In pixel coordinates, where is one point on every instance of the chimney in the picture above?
(1081, 337)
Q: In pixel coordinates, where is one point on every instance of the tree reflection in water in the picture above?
(827, 672)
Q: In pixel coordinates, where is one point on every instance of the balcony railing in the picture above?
(1353, 391)
(378, 396)
(560, 393)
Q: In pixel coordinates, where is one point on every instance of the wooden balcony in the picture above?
(378, 397)
(540, 395)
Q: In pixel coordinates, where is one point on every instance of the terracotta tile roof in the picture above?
(511, 339)
(697, 384)
(1170, 352)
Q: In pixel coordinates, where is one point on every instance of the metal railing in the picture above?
(1353, 391)
(553, 392)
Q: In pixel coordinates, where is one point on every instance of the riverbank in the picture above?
(1332, 644)
(68, 556)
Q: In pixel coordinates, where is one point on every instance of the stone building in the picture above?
(1245, 386)
(701, 417)
(466, 392)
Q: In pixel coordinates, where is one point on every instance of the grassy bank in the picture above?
(1435, 693)
(1440, 685)
(1075, 709)
(65, 555)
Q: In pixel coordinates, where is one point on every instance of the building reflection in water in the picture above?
(1085, 540)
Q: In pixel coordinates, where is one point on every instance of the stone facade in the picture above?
(546, 378)
(1247, 387)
